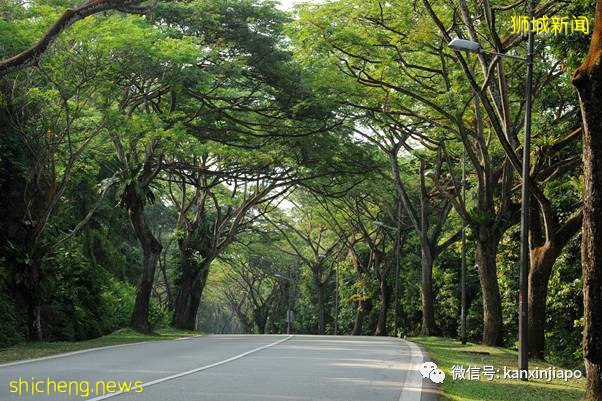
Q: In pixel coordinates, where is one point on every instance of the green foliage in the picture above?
(447, 298)
(410, 293)
(86, 302)
(508, 270)
(11, 314)
(565, 310)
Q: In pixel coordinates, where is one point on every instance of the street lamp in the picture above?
(289, 312)
(475, 47)
(463, 261)
(381, 224)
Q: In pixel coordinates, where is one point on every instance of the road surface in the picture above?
(230, 368)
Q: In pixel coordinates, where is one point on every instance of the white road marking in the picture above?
(84, 351)
(412, 387)
(189, 372)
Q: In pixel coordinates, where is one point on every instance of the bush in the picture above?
(117, 303)
(158, 317)
(74, 307)
(85, 301)
(564, 320)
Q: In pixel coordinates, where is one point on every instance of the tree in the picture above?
(32, 55)
(135, 193)
(210, 216)
(588, 81)
(54, 132)
(145, 79)
(349, 226)
(495, 99)
(318, 249)
(380, 52)
(428, 233)
(254, 291)
(363, 213)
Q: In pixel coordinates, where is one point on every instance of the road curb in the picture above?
(430, 391)
(412, 386)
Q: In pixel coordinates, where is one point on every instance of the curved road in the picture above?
(233, 368)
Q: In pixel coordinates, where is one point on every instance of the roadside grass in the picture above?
(32, 350)
(448, 352)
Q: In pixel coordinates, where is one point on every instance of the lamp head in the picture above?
(465, 45)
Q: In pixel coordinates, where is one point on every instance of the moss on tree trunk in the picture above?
(588, 80)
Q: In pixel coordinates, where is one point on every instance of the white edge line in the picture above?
(189, 372)
(84, 351)
(412, 386)
(244, 335)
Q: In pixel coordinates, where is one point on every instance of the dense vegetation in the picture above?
(210, 164)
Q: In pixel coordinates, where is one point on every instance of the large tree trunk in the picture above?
(543, 258)
(34, 320)
(321, 306)
(493, 333)
(381, 325)
(189, 296)
(588, 80)
(151, 251)
(260, 318)
(544, 251)
(542, 261)
(428, 305)
(184, 316)
(32, 299)
(363, 307)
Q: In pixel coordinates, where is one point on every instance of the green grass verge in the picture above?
(447, 353)
(124, 336)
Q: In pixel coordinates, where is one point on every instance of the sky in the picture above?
(288, 4)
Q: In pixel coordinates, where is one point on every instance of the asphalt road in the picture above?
(233, 368)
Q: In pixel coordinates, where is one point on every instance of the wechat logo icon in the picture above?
(429, 370)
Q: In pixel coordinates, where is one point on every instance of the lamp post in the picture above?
(289, 312)
(475, 47)
(523, 358)
(397, 251)
(463, 262)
